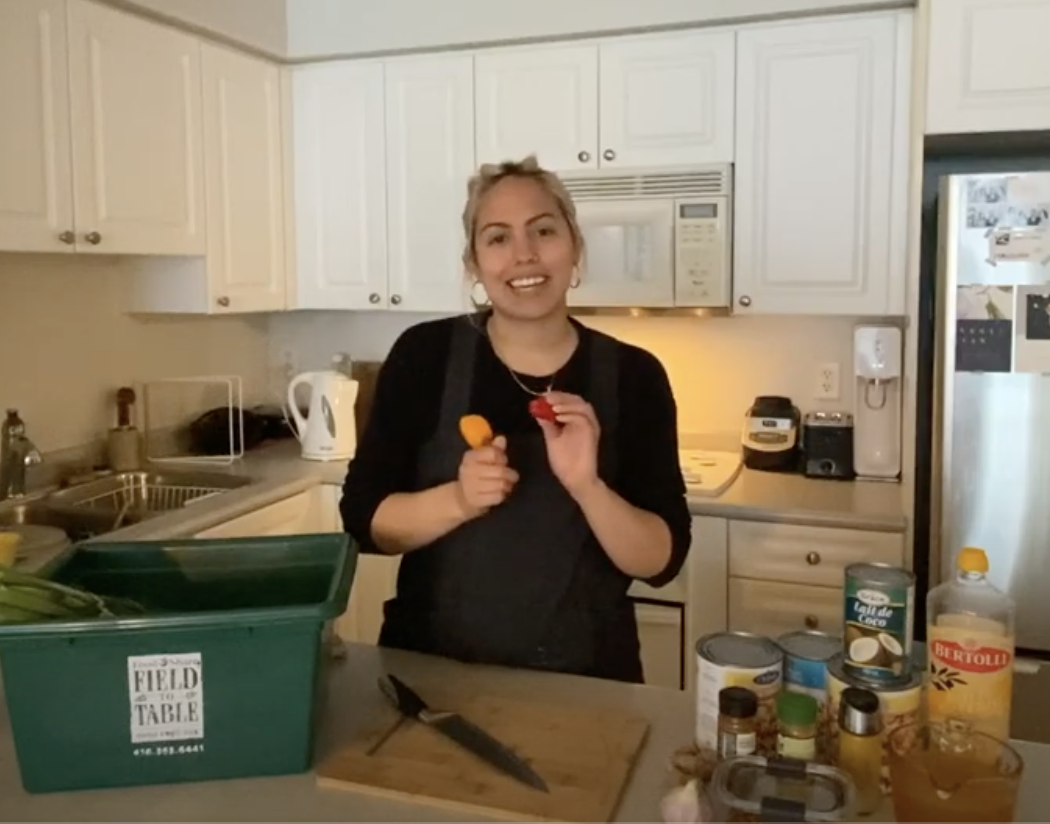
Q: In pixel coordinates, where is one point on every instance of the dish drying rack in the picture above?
(171, 403)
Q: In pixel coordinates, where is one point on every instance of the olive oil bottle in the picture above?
(970, 649)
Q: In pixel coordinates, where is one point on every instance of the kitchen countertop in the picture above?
(352, 706)
(279, 472)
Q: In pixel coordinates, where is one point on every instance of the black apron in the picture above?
(526, 585)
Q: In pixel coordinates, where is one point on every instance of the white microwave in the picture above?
(655, 238)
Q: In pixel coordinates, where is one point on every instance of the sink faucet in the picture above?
(17, 453)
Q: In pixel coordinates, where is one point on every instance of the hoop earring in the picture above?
(483, 302)
(575, 282)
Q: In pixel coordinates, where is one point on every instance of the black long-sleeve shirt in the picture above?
(407, 402)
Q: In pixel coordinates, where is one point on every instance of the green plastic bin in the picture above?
(223, 678)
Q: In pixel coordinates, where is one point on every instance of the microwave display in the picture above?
(697, 210)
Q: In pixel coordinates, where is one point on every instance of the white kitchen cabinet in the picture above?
(640, 101)
(374, 583)
(244, 269)
(101, 147)
(785, 577)
(822, 169)
(988, 66)
(429, 158)
(137, 139)
(36, 176)
(660, 634)
(540, 100)
(667, 99)
(340, 186)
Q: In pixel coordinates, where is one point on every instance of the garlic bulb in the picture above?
(687, 804)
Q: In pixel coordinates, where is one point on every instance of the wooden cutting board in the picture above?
(585, 756)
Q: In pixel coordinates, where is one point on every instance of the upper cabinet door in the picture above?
(36, 184)
(136, 115)
(988, 66)
(340, 186)
(668, 100)
(244, 182)
(430, 157)
(538, 100)
(822, 166)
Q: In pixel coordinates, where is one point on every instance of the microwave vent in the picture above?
(686, 183)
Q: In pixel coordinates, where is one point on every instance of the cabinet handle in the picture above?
(223, 301)
(812, 622)
(609, 154)
(584, 156)
(67, 238)
(373, 298)
(813, 558)
(94, 238)
(395, 299)
(744, 300)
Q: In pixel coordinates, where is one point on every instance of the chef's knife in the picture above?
(465, 733)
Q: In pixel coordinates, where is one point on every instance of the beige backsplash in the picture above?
(717, 365)
(65, 345)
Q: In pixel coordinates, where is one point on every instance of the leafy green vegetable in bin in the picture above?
(27, 598)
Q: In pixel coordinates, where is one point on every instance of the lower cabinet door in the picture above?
(660, 633)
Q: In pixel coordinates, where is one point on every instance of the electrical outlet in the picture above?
(288, 364)
(828, 382)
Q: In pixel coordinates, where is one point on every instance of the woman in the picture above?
(520, 553)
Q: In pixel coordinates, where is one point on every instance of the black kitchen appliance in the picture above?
(771, 434)
(827, 445)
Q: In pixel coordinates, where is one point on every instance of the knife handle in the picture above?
(402, 696)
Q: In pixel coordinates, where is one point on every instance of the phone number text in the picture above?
(181, 749)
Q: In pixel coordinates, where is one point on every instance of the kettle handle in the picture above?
(299, 426)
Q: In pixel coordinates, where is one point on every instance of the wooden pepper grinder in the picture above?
(124, 446)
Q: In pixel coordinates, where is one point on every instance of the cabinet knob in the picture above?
(94, 238)
(223, 301)
(373, 298)
(584, 156)
(813, 558)
(744, 300)
(67, 238)
(395, 299)
(812, 622)
(609, 154)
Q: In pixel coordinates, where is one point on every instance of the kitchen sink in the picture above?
(79, 525)
(146, 493)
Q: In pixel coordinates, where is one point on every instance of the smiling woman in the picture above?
(520, 551)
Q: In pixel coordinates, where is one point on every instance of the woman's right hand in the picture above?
(485, 478)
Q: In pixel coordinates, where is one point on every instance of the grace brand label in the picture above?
(878, 629)
(970, 678)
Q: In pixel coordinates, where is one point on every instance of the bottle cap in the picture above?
(797, 708)
(737, 702)
(859, 712)
(972, 559)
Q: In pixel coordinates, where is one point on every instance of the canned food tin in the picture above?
(806, 654)
(899, 705)
(737, 659)
(879, 621)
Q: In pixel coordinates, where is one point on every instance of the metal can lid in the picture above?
(737, 702)
(859, 712)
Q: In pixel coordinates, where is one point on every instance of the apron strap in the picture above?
(604, 387)
(459, 374)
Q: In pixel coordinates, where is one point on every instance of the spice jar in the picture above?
(797, 726)
(860, 745)
(737, 712)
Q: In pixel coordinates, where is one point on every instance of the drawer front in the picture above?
(806, 554)
(291, 516)
(766, 608)
(660, 635)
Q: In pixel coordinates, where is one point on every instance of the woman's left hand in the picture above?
(572, 442)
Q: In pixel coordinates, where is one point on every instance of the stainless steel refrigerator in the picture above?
(990, 432)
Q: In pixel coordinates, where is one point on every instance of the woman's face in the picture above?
(524, 249)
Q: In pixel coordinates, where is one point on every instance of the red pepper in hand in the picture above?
(541, 409)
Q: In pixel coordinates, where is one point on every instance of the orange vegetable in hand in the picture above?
(475, 431)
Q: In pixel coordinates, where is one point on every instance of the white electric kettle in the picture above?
(329, 430)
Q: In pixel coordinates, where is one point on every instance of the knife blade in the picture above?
(465, 733)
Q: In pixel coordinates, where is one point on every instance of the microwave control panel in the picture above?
(702, 244)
